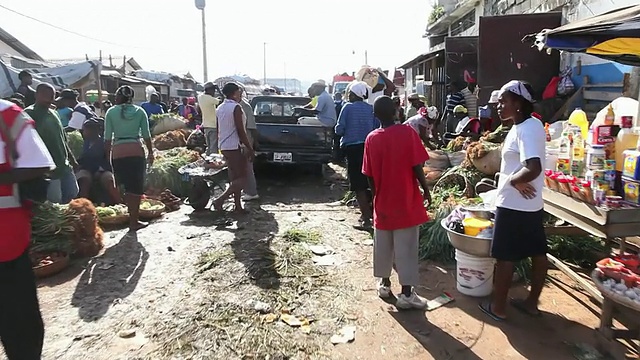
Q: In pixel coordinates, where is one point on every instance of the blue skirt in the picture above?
(518, 235)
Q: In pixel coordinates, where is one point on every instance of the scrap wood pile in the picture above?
(163, 174)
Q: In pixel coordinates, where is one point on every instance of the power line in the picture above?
(71, 31)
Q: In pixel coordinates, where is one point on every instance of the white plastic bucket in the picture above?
(474, 275)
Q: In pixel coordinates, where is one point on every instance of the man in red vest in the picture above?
(23, 157)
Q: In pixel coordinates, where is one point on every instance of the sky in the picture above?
(307, 40)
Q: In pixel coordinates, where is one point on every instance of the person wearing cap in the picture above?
(466, 126)
(152, 107)
(81, 111)
(415, 103)
(326, 110)
(356, 121)
(62, 186)
(93, 163)
(208, 102)
(423, 124)
(519, 229)
(25, 89)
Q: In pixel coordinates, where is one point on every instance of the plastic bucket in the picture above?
(474, 275)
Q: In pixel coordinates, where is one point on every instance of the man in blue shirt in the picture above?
(153, 106)
(325, 107)
(356, 121)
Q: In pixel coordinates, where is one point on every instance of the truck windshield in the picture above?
(340, 87)
(274, 108)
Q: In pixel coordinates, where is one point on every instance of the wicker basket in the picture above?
(51, 269)
(114, 220)
(152, 214)
(596, 276)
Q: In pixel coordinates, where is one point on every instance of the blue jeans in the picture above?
(64, 189)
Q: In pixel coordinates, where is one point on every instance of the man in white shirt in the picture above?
(81, 111)
(518, 229)
(208, 103)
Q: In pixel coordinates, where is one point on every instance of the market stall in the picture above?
(606, 203)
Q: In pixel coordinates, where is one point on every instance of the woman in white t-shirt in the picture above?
(234, 144)
(518, 229)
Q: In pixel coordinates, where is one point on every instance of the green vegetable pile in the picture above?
(76, 143)
(52, 228)
(109, 211)
(434, 243)
(164, 172)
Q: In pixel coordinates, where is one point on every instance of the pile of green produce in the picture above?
(164, 172)
(111, 211)
(76, 143)
(459, 177)
(434, 243)
(52, 228)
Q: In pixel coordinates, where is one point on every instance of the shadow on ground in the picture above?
(109, 278)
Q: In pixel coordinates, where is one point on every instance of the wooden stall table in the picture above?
(611, 225)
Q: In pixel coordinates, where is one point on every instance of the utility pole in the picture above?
(366, 57)
(264, 63)
(285, 77)
(200, 5)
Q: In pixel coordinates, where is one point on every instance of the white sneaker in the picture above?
(384, 291)
(247, 197)
(411, 302)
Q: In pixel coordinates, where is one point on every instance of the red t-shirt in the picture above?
(389, 157)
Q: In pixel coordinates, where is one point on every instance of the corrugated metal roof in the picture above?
(18, 46)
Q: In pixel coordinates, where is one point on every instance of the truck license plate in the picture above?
(282, 157)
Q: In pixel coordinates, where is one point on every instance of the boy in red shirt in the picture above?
(393, 160)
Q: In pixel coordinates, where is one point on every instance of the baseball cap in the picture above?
(67, 94)
(459, 109)
(493, 99)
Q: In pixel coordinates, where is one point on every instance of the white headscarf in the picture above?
(517, 87)
(360, 89)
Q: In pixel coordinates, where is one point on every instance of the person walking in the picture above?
(519, 222)
(234, 144)
(63, 186)
(124, 124)
(208, 102)
(250, 192)
(356, 121)
(393, 160)
(24, 157)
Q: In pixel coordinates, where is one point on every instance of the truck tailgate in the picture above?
(294, 137)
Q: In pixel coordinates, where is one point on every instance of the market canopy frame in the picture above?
(613, 36)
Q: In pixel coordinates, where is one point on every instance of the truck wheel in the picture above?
(199, 195)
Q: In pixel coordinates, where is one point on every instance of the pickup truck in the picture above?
(282, 140)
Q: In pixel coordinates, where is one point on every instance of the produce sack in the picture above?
(167, 122)
(438, 159)
(368, 75)
(485, 157)
(456, 158)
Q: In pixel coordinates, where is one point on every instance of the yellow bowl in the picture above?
(473, 226)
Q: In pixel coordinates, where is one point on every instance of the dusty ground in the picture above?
(187, 287)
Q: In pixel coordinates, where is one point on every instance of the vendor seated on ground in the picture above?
(94, 165)
(466, 125)
(423, 123)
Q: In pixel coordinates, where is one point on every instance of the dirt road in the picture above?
(201, 287)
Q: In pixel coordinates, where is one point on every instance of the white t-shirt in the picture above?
(462, 124)
(373, 96)
(228, 138)
(523, 142)
(418, 120)
(208, 106)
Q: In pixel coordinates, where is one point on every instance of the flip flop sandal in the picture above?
(518, 304)
(486, 308)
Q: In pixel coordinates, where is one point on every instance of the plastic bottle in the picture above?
(611, 116)
(563, 164)
(578, 146)
(578, 118)
(626, 140)
(546, 131)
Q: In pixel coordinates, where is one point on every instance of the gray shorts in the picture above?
(211, 137)
(397, 249)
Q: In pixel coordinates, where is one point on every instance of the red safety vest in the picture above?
(15, 218)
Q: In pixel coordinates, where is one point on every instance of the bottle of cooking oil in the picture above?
(626, 140)
(563, 163)
(578, 118)
(610, 118)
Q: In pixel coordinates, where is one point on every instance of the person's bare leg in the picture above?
(84, 185)
(538, 277)
(364, 204)
(112, 191)
(237, 196)
(133, 205)
(501, 286)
